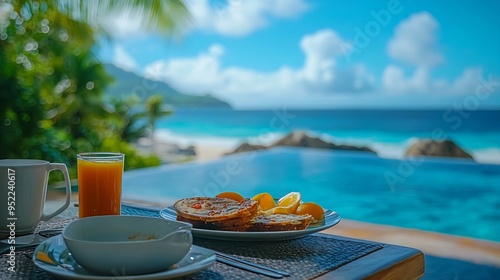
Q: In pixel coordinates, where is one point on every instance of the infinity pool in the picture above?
(458, 197)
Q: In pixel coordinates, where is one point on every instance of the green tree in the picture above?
(131, 124)
(43, 83)
(154, 111)
(51, 84)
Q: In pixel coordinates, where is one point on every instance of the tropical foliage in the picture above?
(51, 84)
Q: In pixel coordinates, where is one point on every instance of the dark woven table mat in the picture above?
(303, 258)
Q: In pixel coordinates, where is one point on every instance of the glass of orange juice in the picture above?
(99, 183)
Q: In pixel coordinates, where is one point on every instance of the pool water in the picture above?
(451, 196)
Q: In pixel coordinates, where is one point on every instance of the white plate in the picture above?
(197, 259)
(331, 219)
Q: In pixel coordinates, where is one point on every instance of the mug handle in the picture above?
(62, 167)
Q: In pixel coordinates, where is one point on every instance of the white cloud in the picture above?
(319, 80)
(318, 75)
(394, 81)
(197, 75)
(239, 17)
(123, 60)
(320, 49)
(231, 17)
(124, 26)
(467, 81)
(414, 41)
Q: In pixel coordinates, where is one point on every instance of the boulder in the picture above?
(301, 139)
(245, 147)
(429, 147)
(188, 151)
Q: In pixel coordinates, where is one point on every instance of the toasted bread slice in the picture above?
(229, 215)
(280, 222)
(216, 209)
(226, 225)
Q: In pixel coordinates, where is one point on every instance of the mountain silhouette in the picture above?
(127, 83)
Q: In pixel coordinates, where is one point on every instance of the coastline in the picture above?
(207, 153)
(180, 151)
(172, 146)
(173, 152)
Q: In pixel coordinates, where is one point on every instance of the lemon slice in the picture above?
(288, 204)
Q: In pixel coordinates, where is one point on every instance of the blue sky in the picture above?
(325, 54)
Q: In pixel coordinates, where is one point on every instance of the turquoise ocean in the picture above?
(388, 132)
(451, 196)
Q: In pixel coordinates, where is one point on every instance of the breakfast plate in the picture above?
(331, 219)
(53, 256)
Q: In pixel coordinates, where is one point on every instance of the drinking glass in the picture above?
(99, 183)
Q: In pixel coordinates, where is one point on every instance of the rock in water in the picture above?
(245, 147)
(301, 139)
(429, 147)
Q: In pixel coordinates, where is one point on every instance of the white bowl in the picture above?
(127, 245)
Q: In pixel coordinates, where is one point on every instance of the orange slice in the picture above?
(231, 195)
(42, 256)
(257, 197)
(266, 201)
(312, 209)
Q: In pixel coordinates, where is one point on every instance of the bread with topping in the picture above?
(280, 222)
(216, 213)
(225, 214)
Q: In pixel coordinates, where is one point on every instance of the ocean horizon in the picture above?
(388, 132)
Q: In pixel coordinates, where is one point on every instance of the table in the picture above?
(318, 256)
(390, 262)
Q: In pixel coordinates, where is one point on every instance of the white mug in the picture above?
(23, 189)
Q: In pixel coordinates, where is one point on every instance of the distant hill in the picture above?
(127, 82)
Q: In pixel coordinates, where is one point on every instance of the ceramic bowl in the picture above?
(127, 245)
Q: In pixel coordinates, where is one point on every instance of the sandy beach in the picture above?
(171, 152)
(207, 153)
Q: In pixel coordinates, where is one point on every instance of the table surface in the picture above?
(390, 262)
(386, 262)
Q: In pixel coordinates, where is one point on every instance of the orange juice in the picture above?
(99, 184)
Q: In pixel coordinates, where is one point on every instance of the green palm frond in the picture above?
(164, 17)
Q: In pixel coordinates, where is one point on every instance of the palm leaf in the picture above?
(166, 18)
